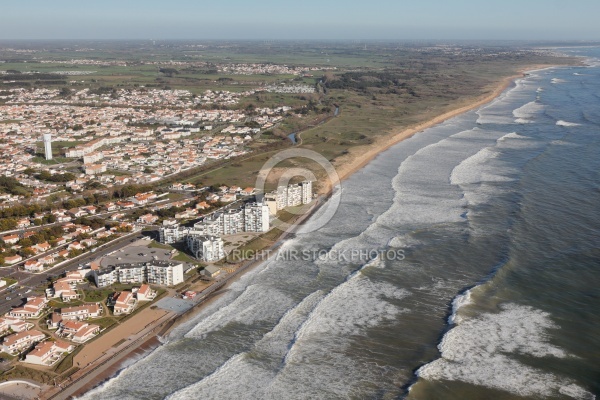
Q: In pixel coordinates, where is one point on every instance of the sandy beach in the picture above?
(139, 333)
(359, 157)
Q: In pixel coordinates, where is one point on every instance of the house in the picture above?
(81, 312)
(147, 219)
(49, 259)
(125, 204)
(23, 223)
(12, 259)
(77, 276)
(42, 247)
(90, 209)
(32, 308)
(65, 291)
(111, 207)
(248, 191)
(202, 205)
(86, 333)
(10, 239)
(89, 242)
(33, 266)
(63, 253)
(145, 293)
(124, 303)
(228, 198)
(78, 331)
(48, 353)
(77, 212)
(75, 246)
(21, 340)
(15, 324)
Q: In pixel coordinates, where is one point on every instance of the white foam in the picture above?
(459, 302)
(241, 374)
(348, 309)
(479, 351)
(539, 90)
(557, 80)
(404, 241)
(527, 112)
(247, 308)
(512, 135)
(565, 123)
(470, 170)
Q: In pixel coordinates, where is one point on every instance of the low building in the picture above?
(21, 340)
(32, 308)
(211, 271)
(81, 312)
(10, 239)
(12, 259)
(48, 353)
(145, 293)
(33, 266)
(124, 303)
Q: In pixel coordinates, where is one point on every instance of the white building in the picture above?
(131, 273)
(164, 273)
(206, 248)
(292, 195)
(48, 146)
(307, 192)
(256, 217)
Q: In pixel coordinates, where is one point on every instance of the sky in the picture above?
(304, 19)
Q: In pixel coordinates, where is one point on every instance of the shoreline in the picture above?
(348, 168)
(345, 167)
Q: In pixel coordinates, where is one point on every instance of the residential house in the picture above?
(145, 293)
(147, 219)
(21, 340)
(81, 312)
(10, 239)
(124, 304)
(48, 353)
(32, 308)
(12, 259)
(33, 266)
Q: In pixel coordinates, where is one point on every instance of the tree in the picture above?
(27, 252)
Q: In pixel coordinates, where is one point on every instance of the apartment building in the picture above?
(256, 217)
(291, 195)
(164, 273)
(155, 272)
(206, 248)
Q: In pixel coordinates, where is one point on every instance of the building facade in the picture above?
(206, 248)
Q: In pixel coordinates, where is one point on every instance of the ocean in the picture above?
(462, 263)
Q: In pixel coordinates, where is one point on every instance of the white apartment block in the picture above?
(105, 277)
(131, 273)
(164, 273)
(256, 217)
(172, 233)
(206, 248)
(154, 272)
(292, 195)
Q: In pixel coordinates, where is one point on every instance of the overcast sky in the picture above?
(304, 19)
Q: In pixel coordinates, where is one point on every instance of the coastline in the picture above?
(353, 163)
(346, 166)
